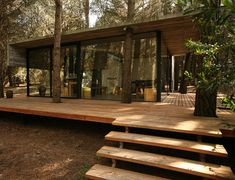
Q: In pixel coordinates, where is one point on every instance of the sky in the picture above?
(92, 19)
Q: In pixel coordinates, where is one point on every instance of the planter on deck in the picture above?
(9, 94)
(42, 90)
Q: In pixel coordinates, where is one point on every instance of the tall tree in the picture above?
(126, 74)
(216, 22)
(87, 12)
(56, 90)
(9, 10)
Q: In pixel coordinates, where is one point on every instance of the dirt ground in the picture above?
(41, 148)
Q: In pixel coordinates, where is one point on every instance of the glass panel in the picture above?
(101, 68)
(39, 72)
(144, 70)
(68, 73)
(165, 71)
(16, 80)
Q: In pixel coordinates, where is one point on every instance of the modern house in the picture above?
(91, 59)
(92, 68)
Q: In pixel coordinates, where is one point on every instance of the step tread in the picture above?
(188, 127)
(98, 172)
(193, 146)
(202, 169)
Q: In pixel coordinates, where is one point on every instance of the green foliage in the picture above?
(216, 48)
(209, 75)
(81, 175)
(188, 75)
(229, 102)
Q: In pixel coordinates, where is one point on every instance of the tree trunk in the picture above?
(183, 84)
(87, 12)
(130, 10)
(3, 46)
(126, 65)
(1, 75)
(205, 103)
(126, 73)
(56, 92)
(1, 86)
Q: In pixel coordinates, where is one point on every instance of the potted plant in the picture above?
(9, 94)
(42, 90)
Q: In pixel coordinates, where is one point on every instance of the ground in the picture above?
(39, 148)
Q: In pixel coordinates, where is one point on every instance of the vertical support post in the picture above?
(114, 163)
(170, 73)
(168, 78)
(51, 69)
(176, 78)
(201, 156)
(79, 71)
(167, 75)
(173, 73)
(159, 65)
(27, 71)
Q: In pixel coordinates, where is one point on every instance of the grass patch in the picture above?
(81, 174)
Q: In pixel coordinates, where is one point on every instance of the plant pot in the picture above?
(9, 94)
(42, 90)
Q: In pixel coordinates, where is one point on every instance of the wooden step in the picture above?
(190, 126)
(100, 172)
(202, 169)
(192, 146)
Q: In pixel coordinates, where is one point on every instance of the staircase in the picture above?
(173, 163)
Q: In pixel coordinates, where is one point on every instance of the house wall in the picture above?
(16, 56)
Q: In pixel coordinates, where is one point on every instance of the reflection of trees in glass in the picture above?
(39, 76)
(97, 59)
(144, 60)
(39, 64)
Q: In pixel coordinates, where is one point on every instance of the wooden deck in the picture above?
(185, 100)
(158, 116)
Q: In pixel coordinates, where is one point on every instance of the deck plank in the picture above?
(202, 169)
(185, 145)
(187, 126)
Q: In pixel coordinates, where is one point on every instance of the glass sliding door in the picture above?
(39, 72)
(68, 73)
(101, 69)
(144, 70)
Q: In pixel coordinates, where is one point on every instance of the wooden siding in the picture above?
(16, 56)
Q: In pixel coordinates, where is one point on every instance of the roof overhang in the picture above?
(175, 31)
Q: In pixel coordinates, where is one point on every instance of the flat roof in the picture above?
(175, 31)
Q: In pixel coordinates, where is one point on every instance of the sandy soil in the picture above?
(48, 149)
